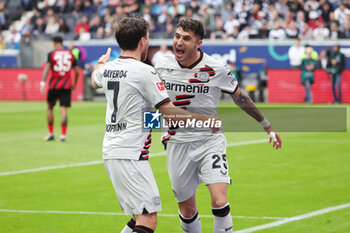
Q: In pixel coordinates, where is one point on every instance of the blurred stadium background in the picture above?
(253, 36)
(56, 187)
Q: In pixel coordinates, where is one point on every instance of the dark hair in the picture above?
(189, 24)
(129, 32)
(57, 39)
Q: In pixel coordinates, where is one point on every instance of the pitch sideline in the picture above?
(119, 214)
(293, 219)
(101, 161)
(281, 220)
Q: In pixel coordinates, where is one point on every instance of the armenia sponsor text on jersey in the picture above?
(130, 87)
(195, 88)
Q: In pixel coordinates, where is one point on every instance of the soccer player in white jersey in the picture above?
(131, 87)
(194, 81)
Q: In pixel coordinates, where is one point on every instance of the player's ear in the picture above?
(199, 43)
(142, 41)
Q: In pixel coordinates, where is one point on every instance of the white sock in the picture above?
(129, 227)
(222, 219)
(191, 225)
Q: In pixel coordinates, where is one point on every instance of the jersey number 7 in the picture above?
(114, 85)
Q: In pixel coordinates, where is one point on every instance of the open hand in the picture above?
(274, 137)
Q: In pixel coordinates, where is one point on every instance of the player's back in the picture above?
(128, 86)
(62, 61)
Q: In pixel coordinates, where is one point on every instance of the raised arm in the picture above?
(103, 59)
(242, 100)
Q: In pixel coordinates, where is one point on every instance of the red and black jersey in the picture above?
(62, 61)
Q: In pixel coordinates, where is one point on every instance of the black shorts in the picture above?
(63, 95)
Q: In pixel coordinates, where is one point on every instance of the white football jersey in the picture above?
(196, 88)
(131, 87)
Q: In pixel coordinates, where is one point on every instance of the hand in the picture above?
(74, 86)
(105, 58)
(215, 129)
(274, 137)
(42, 88)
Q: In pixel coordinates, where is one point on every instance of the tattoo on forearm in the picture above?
(246, 103)
(241, 100)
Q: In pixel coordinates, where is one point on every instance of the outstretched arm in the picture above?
(103, 59)
(242, 100)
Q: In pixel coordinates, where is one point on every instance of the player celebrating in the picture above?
(60, 62)
(194, 81)
(131, 87)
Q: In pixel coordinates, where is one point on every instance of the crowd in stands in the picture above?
(236, 19)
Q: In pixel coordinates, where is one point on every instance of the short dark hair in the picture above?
(57, 39)
(189, 24)
(129, 32)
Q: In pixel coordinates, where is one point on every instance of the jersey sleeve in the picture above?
(48, 60)
(153, 88)
(226, 81)
(98, 76)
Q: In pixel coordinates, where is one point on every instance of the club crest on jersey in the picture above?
(156, 200)
(203, 76)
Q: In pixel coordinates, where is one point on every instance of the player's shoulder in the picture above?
(138, 68)
(143, 67)
(168, 61)
(212, 61)
(148, 70)
(50, 53)
(217, 65)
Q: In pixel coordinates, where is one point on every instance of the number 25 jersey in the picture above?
(196, 88)
(130, 87)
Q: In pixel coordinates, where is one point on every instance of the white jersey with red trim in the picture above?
(131, 87)
(196, 88)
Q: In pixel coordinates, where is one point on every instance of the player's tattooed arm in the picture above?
(242, 100)
(246, 103)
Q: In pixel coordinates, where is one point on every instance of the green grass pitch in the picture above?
(310, 173)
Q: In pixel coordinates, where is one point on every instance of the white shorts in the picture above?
(190, 163)
(134, 184)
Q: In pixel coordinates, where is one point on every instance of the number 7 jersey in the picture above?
(131, 87)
